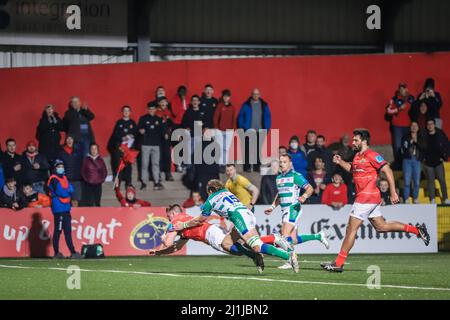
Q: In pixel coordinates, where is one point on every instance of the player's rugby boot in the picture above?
(324, 239)
(259, 262)
(423, 233)
(331, 266)
(293, 261)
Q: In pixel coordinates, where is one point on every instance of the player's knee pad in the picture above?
(255, 241)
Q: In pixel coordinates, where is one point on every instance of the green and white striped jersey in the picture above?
(223, 203)
(289, 185)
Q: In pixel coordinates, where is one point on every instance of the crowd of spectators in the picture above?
(418, 141)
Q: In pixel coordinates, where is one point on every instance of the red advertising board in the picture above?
(121, 231)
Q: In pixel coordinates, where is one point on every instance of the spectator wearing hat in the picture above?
(93, 172)
(48, 133)
(397, 113)
(61, 191)
(12, 162)
(129, 200)
(9, 197)
(436, 153)
(151, 128)
(254, 115)
(298, 156)
(225, 123)
(179, 105)
(335, 193)
(208, 104)
(433, 100)
(165, 163)
(35, 199)
(77, 122)
(35, 167)
(125, 130)
(72, 158)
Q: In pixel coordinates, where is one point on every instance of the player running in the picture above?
(365, 167)
(289, 184)
(198, 229)
(227, 205)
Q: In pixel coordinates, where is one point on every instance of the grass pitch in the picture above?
(406, 276)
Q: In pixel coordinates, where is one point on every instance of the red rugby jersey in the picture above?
(365, 169)
(195, 233)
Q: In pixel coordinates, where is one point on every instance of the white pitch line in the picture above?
(232, 278)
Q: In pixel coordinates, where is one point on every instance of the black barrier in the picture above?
(443, 227)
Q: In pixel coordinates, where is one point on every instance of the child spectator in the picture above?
(194, 201)
(433, 100)
(130, 199)
(35, 199)
(335, 193)
(9, 198)
(93, 172)
(383, 185)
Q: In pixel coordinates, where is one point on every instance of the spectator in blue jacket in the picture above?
(254, 114)
(61, 191)
(72, 158)
(2, 177)
(298, 156)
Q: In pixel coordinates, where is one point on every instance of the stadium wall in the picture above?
(332, 94)
(129, 231)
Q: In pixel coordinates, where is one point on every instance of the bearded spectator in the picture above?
(93, 172)
(35, 167)
(48, 133)
(436, 153)
(72, 158)
(433, 100)
(77, 121)
(35, 199)
(297, 153)
(12, 162)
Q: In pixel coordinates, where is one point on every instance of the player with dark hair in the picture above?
(365, 167)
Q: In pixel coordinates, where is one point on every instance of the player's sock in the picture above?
(410, 229)
(304, 237)
(270, 239)
(273, 251)
(340, 259)
(239, 250)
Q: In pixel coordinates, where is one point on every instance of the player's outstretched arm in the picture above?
(177, 245)
(386, 169)
(344, 164)
(275, 203)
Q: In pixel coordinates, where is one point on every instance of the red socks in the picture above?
(340, 259)
(270, 239)
(410, 229)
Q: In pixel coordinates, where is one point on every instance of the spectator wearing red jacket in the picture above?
(130, 199)
(93, 172)
(194, 201)
(225, 123)
(397, 112)
(179, 105)
(335, 193)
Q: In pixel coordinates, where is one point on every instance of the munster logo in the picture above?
(147, 234)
